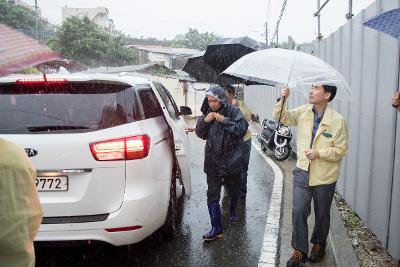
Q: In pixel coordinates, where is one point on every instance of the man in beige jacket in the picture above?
(322, 141)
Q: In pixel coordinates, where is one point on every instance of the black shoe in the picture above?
(317, 253)
(297, 259)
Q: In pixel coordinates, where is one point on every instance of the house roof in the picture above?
(143, 70)
(129, 68)
(166, 50)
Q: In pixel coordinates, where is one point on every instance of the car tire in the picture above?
(171, 221)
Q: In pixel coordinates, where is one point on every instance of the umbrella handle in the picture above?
(280, 114)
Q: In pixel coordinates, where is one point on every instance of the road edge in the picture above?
(270, 245)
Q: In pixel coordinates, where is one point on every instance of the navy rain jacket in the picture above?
(223, 152)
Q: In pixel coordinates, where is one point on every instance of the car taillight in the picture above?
(31, 81)
(135, 147)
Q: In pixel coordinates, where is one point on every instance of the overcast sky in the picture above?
(230, 18)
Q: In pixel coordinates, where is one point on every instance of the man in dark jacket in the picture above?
(223, 126)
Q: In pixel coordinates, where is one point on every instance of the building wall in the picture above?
(370, 176)
(195, 95)
(174, 86)
(98, 15)
(160, 58)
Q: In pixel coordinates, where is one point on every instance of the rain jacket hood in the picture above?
(219, 93)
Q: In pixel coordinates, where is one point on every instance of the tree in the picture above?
(21, 18)
(194, 39)
(290, 44)
(82, 40)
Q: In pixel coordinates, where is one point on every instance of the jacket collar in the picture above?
(326, 119)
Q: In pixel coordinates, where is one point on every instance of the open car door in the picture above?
(181, 140)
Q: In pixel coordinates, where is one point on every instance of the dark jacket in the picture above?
(223, 152)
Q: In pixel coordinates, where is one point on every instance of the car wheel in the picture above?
(171, 221)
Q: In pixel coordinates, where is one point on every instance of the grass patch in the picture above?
(352, 221)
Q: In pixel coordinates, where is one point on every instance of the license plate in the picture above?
(53, 183)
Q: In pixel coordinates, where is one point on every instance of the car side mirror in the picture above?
(184, 110)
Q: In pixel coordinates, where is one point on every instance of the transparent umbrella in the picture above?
(295, 69)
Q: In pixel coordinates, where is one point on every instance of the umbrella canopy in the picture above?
(203, 72)
(17, 51)
(296, 69)
(222, 53)
(388, 22)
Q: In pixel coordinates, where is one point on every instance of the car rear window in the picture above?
(60, 108)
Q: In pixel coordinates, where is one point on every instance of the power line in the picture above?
(278, 21)
(267, 22)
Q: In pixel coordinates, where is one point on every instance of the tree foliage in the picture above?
(82, 40)
(19, 17)
(289, 44)
(194, 39)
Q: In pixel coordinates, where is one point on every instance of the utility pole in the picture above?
(350, 15)
(319, 37)
(266, 33)
(276, 33)
(37, 20)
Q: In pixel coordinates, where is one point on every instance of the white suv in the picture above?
(109, 151)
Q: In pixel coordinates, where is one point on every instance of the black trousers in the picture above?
(302, 196)
(214, 184)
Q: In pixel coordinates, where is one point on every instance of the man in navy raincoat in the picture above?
(223, 126)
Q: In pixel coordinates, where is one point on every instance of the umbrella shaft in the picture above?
(280, 114)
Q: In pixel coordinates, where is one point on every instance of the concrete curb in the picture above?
(339, 243)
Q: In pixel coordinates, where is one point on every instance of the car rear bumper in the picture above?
(148, 212)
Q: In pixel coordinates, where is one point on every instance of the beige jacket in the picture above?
(331, 141)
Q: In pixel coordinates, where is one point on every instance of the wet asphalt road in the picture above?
(241, 245)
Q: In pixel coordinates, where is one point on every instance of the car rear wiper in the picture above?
(50, 128)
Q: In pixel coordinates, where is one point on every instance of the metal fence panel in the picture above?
(368, 175)
(373, 79)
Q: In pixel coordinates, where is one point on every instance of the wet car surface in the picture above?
(240, 246)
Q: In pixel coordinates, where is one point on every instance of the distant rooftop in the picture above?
(166, 50)
(144, 69)
(129, 68)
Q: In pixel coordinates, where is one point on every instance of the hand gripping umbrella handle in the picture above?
(395, 106)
